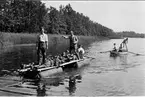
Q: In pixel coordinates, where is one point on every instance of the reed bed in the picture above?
(12, 39)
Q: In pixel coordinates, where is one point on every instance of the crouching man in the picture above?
(81, 51)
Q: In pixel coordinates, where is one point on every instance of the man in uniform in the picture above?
(42, 45)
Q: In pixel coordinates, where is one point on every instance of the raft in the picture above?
(45, 70)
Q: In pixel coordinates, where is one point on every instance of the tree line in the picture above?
(131, 34)
(27, 16)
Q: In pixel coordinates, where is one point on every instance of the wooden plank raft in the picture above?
(44, 68)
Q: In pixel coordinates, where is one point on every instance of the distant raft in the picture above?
(118, 53)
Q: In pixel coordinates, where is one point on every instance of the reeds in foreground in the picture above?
(11, 39)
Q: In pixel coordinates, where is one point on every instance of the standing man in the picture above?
(73, 42)
(42, 45)
(125, 41)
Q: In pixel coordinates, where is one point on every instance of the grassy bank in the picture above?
(11, 39)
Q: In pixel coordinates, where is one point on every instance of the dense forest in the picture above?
(27, 16)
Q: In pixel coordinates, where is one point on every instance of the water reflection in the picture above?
(119, 60)
(15, 56)
(41, 90)
(72, 85)
(73, 80)
(123, 60)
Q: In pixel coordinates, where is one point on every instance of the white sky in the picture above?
(117, 15)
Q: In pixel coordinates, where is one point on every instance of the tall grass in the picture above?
(17, 38)
(12, 39)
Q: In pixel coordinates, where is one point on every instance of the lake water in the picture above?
(102, 76)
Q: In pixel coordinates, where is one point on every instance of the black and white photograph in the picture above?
(72, 48)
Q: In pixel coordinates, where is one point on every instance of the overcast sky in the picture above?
(117, 15)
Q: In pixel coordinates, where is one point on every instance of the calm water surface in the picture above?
(104, 75)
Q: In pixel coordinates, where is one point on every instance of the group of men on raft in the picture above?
(75, 51)
(122, 45)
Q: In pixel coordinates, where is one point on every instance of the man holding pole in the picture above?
(125, 41)
(73, 43)
(42, 45)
